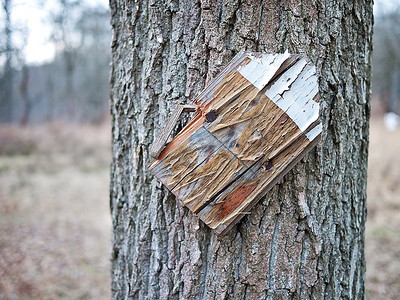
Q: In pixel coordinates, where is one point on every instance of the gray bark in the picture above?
(305, 239)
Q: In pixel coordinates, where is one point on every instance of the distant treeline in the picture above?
(74, 87)
(386, 60)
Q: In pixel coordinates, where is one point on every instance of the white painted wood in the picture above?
(313, 133)
(298, 101)
(293, 92)
(260, 70)
(283, 83)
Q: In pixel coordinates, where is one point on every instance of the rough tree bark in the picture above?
(305, 239)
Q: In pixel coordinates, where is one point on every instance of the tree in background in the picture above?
(74, 85)
(66, 40)
(23, 88)
(6, 73)
(93, 59)
(13, 39)
(82, 35)
(305, 239)
(386, 59)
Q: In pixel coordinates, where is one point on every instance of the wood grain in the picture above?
(202, 185)
(185, 157)
(233, 203)
(253, 123)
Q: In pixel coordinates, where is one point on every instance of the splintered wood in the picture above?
(252, 124)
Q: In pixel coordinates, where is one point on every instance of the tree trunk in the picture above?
(305, 239)
(23, 89)
(394, 90)
(6, 79)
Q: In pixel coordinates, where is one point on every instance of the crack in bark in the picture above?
(203, 283)
(273, 256)
(258, 34)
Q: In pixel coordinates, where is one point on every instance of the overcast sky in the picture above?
(29, 14)
(385, 5)
(34, 15)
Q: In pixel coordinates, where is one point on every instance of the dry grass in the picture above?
(54, 217)
(55, 224)
(383, 224)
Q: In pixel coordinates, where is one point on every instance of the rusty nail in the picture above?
(269, 165)
(211, 116)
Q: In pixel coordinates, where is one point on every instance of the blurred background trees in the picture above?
(54, 206)
(386, 59)
(6, 73)
(73, 85)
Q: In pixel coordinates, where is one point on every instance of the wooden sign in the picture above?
(252, 124)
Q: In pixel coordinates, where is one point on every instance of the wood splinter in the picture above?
(253, 123)
(169, 127)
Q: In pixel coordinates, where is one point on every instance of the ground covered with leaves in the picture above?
(55, 222)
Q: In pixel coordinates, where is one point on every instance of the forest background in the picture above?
(55, 140)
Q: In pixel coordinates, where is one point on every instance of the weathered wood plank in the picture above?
(236, 201)
(297, 98)
(262, 68)
(203, 184)
(254, 122)
(250, 124)
(208, 94)
(184, 157)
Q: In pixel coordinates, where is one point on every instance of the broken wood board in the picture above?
(252, 124)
